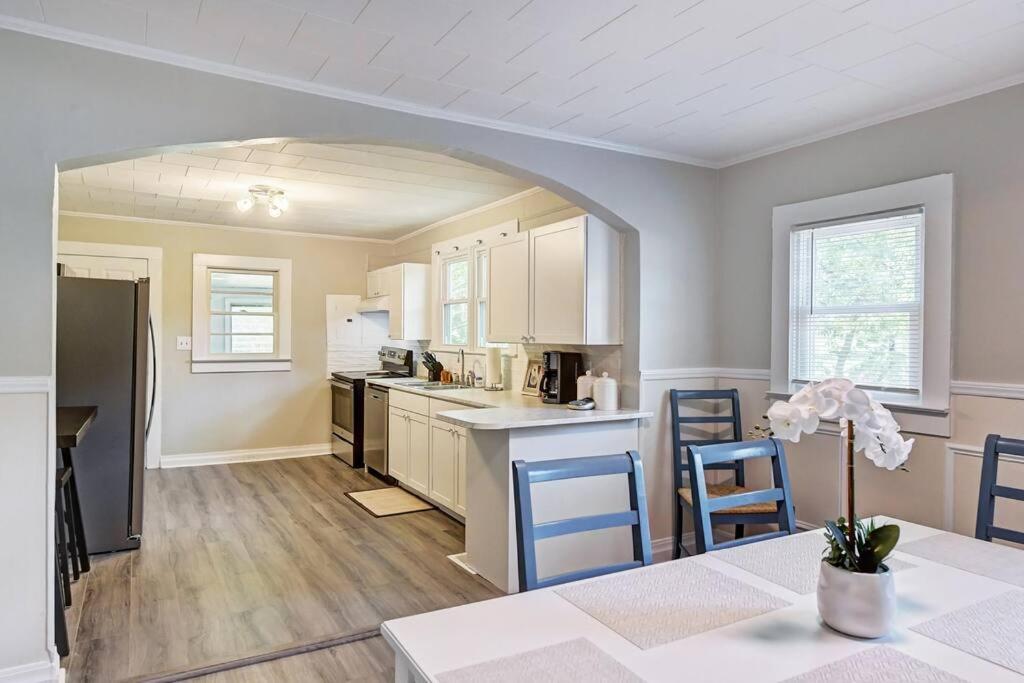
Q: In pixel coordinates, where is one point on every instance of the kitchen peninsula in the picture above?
(463, 461)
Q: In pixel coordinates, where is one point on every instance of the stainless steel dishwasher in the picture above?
(375, 429)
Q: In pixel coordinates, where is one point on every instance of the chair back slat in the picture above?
(985, 528)
(528, 532)
(740, 499)
(779, 493)
(578, 525)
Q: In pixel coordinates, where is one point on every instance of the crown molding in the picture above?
(231, 71)
(217, 226)
(935, 103)
(471, 212)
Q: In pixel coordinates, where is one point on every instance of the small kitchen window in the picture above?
(241, 317)
(455, 301)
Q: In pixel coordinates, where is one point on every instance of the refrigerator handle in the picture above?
(152, 391)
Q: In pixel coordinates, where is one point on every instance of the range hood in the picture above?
(375, 304)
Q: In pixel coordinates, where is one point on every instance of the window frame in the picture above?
(470, 292)
(466, 247)
(928, 412)
(206, 361)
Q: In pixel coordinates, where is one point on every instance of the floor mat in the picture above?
(390, 501)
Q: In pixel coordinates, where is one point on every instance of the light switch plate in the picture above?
(184, 343)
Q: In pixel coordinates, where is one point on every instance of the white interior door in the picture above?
(124, 268)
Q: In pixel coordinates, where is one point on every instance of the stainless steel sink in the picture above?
(431, 386)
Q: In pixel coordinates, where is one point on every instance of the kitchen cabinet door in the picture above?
(508, 290)
(460, 471)
(374, 283)
(558, 283)
(443, 445)
(398, 444)
(419, 454)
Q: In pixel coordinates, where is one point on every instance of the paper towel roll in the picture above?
(492, 372)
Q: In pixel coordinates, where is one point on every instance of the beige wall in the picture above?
(981, 141)
(218, 412)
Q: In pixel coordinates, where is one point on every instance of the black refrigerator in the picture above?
(103, 347)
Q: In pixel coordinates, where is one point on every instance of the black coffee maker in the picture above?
(558, 383)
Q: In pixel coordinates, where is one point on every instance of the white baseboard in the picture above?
(34, 672)
(243, 455)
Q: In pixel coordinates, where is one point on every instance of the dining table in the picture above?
(739, 614)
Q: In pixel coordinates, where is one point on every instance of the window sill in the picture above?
(206, 367)
(913, 417)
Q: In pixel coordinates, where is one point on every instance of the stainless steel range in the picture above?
(348, 389)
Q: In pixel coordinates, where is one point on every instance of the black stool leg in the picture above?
(739, 531)
(69, 513)
(62, 550)
(83, 548)
(60, 627)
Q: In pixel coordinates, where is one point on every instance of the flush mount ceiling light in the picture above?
(273, 197)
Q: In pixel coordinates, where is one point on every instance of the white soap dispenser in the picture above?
(585, 385)
(606, 392)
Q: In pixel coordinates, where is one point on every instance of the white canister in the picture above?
(606, 393)
(585, 385)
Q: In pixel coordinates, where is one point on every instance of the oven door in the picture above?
(343, 409)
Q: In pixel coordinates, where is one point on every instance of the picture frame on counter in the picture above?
(531, 381)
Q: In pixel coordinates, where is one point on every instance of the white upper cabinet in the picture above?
(407, 288)
(376, 282)
(508, 310)
(559, 284)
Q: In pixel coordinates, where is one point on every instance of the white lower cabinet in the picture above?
(428, 455)
(419, 453)
(443, 462)
(398, 444)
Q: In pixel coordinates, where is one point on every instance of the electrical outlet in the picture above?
(184, 343)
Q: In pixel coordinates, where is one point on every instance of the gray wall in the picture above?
(77, 103)
(981, 141)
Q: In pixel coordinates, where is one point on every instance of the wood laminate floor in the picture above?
(364, 662)
(238, 560)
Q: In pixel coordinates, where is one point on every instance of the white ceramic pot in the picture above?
(861, 605)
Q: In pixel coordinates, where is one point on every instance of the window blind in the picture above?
(856, 301)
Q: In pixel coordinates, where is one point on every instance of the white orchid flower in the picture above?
(876, 431)
(789, 421)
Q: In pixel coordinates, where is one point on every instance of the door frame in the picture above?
(155, 260)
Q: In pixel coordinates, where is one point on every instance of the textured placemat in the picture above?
(574, 660)
(992, 630)
(876, 665)
(793, 562)
(670, 601)
(995, 561)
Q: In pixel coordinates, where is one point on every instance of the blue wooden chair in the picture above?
(683, 493)
(732, 508)
(985, 528)
(528, 533)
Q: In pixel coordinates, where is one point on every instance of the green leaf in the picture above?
(882, 541)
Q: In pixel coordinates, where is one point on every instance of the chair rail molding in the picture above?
(953, 451)
(703, 373)
(989, 389)
(28, 384)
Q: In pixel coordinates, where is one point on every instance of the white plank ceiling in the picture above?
(368, 191)
(706, 80)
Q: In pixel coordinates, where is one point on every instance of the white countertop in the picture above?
(507, 409)
(516, 418)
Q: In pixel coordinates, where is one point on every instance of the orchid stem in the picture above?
(850, 505)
